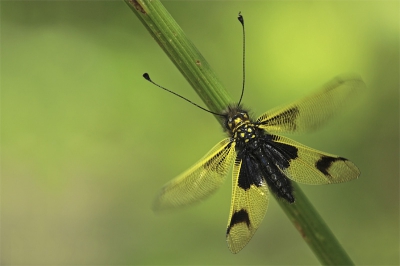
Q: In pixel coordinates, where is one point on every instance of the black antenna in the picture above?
(241, 20)
(147, 77)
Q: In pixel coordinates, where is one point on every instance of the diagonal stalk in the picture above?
(203, 79)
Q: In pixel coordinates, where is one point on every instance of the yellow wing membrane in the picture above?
(248, 208)
(311, 112)
(313, 167)
(200, 180)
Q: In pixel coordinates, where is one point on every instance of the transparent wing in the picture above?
(248, 207)
(200, 180)
(314, 167)
(309, 113)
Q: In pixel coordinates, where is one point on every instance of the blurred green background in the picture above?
(86, 142)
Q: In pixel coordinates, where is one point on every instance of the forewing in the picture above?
(313, 167)
(200, 180)
(309, 113)
(248, 207)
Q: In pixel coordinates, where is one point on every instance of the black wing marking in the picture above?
(200, 180)
(249, 203)
(311, 112)
(313, 167)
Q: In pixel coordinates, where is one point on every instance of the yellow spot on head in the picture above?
(242, 135)
(238, 120)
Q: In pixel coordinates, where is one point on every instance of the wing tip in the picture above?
(235, 246)
(349, 78)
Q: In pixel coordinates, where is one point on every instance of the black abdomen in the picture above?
(263, 161)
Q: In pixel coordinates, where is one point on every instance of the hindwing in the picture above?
(313, 167)
(249, 203)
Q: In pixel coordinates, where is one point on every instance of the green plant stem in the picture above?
(199, 74)
(171, 38)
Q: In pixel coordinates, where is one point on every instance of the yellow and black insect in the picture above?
(263, 161)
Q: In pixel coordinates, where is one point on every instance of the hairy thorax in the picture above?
(261, 157)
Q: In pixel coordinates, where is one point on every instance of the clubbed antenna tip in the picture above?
(240, 18)
(146, 76)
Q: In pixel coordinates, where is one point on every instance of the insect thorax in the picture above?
(239, 125)
(242, 129)
(235, 116)
(263, 159)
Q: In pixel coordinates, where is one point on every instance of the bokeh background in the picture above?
(86, 142)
